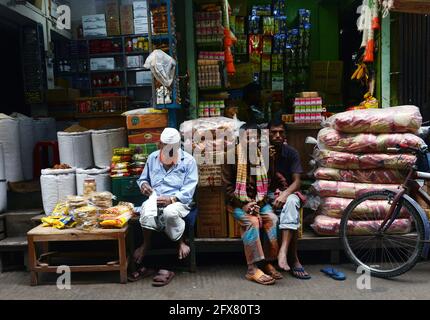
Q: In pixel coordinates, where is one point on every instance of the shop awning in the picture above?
(412, 6)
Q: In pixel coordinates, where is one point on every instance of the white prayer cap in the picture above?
(170, 136)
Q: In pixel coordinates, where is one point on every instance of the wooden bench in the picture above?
(45, 235)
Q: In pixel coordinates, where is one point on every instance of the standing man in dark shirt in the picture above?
(253, 112)
(284, 172)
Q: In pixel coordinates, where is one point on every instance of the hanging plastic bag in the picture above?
(162, 67)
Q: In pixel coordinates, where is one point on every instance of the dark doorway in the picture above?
(11, 80)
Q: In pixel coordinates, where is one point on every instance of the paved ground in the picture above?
(222, 282)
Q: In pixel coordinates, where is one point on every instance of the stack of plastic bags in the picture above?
(354, 157)
(210, 139)
(120, 163)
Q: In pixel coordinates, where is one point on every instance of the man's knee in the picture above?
(171, 213)
(293, 201)
(273, 218)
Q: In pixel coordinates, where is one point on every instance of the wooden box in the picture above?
(147, 121)
(212, 218)
(210, 176)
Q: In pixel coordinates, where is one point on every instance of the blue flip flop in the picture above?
(333, 273)
(295, 271)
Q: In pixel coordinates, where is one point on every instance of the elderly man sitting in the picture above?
(169, 180)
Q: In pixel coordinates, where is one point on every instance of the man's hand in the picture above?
(280, 201)
(272, 151)
(251, 208)
(164, 201)
(146, 189)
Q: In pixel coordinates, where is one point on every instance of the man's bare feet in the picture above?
(282, 261)
(138, 255)
(183, 250)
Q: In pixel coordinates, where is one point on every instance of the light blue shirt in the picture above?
(179, 181)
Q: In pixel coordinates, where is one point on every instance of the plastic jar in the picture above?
(90, 187)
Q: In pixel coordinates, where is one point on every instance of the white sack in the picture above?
(56, 185)
(76, 149)
(104, 141)
(27, 142)
(9, 138)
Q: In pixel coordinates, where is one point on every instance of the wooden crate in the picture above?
(233, 225)
(210, 176)
(212, 218)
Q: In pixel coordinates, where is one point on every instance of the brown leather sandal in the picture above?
(141, 273)
(271, 271)
(162, 278)
(259, 276)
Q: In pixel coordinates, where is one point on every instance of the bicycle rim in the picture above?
(385, 254)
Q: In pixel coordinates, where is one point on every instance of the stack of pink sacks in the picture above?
(353, 158)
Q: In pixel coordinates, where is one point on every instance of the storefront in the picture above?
(91, 103)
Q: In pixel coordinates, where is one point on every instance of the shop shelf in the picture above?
(135, 53)
(137, 69)
(107, 71)
(107, 54)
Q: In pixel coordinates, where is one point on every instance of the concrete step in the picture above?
(18, 223)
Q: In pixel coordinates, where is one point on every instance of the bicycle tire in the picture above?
(419, 226)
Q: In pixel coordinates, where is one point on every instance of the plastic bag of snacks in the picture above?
(86, 217)
(349, 190)
(76, 202)
(58, 222)
(122, 152)
(102, 200)
(343, 160)
(379, 176)
(60, 210)
(331, 139)
(327, 226)
(121, 208)
(389, 120)
(367, 210)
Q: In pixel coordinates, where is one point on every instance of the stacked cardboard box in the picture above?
(140, 14)
(145, 130)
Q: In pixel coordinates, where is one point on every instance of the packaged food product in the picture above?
(344, 160)
(76, 202)
(325, 188)
(327, 226)
(334, 140)
(379, 176)
(120, 165)
(116, 159)
(118, 222)
(400, 119)
(368, 210)
(123, 151)
(60, 210)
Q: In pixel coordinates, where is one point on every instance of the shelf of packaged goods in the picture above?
(135, 53)
(107, 71)
(147, 85)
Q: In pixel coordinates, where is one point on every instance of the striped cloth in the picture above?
(241, 177)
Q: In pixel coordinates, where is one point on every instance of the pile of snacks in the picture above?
(102, 200)
(121, 162)
(138, 164)
(118, 216)
(355, 155)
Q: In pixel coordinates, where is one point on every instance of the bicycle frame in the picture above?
(411, 187)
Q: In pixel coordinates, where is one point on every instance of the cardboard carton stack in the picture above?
(144, 130)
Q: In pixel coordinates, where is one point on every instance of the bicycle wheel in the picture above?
(387, 253)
